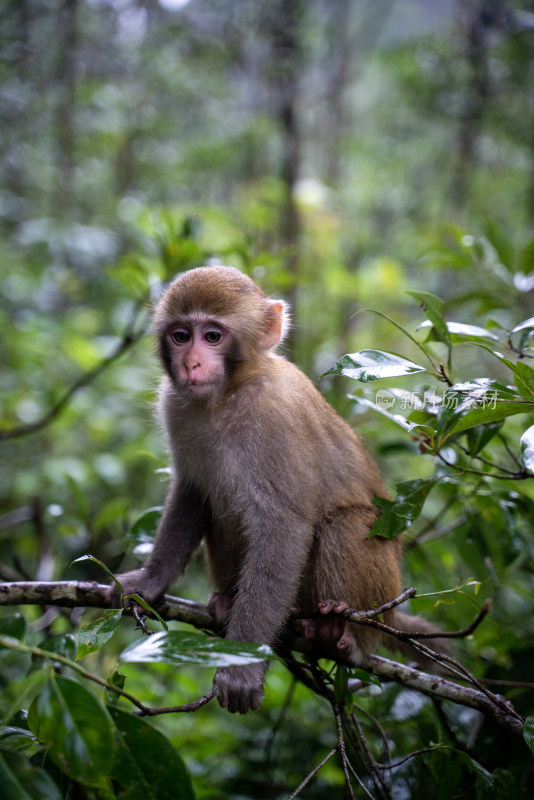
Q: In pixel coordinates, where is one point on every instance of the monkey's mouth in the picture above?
(198, 387)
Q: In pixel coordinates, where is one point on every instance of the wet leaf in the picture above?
(527, 448)
(181, 647)
(371, 365)
(460, 331)
(398, 419)
(467, 405)
(526, 324)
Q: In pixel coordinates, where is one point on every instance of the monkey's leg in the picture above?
(219, 605)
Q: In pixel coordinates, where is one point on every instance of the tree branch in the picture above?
(72, 594)
(437, 686)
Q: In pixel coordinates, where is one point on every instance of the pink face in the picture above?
(197, 349)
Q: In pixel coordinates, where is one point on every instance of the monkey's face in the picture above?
(194, 352)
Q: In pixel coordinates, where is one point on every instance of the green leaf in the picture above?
(527, 448)
(398, 419)
(485, 782)
(143, 603)
(478, 402)
(70, 721)
(341, 680)
(479, 436)
(388, 524)
(479, 416)
(93, 636)
(407, 333)
(526, 258)
(527, 324)
(147, 766)
(371, 365)
(524, 378)
(17, 739)
(502, 244)
(13, 624)
(461, 332)
(399, 514)
(180, 647)
(100, 564)
(433, 308)
(143, 531)
(20, 780)
(64, 645)
(527, 329)
(364, 676)
(118, 679)
(528, 732)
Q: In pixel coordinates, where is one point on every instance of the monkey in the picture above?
(265, 471)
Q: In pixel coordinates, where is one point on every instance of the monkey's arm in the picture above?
(267, 590)
(183, 523)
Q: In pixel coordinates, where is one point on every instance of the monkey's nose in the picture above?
(192, 367)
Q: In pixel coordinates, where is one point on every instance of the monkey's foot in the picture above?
(337, 630)
(331, 636)
(240, 688)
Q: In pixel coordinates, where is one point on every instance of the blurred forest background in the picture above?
(340, 152)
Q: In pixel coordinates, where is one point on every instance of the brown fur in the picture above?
(277, 484)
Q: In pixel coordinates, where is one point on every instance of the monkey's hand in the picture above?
(240, 688)
(138, 581)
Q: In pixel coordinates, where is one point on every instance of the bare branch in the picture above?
(72, 594)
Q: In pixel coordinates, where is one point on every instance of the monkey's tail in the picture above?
(412, 624)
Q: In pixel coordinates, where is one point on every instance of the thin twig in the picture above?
(314, 772)
(186, 707)
(415, 753)
(509, 450)
(367, 756)
(366, 618)
(374, 722)
(140, 620)
(520, 475)
(341, 749)
(144, 711)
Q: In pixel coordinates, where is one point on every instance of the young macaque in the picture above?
(264, 470)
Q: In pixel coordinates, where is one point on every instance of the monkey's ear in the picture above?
(277, 324)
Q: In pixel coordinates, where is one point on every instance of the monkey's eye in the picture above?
(180, 336)
(213, 337)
